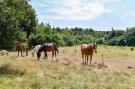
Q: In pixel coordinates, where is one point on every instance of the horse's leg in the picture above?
(26, 52)
(87, 59)
(18, 53)
(90, 59)
(21, 53)
(52, 54)
(46, 57)
(55, 53)
(33, 53)
(38, 56)
(83, 58)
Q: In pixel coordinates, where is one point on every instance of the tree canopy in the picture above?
(18, 22)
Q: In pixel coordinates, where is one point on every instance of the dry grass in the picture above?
(27, 73)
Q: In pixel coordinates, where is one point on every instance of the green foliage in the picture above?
(69, 37)
(130, 36)
(117, 41)
(61, 36)
(100, 41)
(17, 22)
(121, 37)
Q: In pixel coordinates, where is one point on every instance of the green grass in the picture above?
(116, 51)
(33, 74)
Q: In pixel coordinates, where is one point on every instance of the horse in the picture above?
(35, 50)
(48, 47)
(87, 50)
(21, 47)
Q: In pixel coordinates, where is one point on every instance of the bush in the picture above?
(120, 41)
(100, 41)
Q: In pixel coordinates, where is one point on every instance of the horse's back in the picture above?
(18, 46)
(86, 48)
(48, 47)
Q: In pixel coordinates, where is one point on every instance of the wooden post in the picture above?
(102, 59)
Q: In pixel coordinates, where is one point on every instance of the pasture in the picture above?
(67, 72)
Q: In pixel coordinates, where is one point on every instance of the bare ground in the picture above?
(69, 56)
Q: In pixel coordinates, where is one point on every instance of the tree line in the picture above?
(76, 36)
(18, 22)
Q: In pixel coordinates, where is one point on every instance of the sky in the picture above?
(96, 14)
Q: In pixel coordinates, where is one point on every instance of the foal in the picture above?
(87, 50)
(21, 47)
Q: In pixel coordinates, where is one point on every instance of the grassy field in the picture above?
(28, 73)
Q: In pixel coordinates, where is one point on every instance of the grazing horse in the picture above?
(47, 47)
(35, 50)
(87, 49)
(21, 47)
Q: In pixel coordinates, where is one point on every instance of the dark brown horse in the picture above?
(21, 47)
(50, 47)
(87, 50)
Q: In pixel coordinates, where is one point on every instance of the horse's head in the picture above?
(95, 47)
(42, 48)
(38, 55)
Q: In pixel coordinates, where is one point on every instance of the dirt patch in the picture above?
(68, 56)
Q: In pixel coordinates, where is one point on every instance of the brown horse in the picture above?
(50, 47)
(87, 49)
(21, 47)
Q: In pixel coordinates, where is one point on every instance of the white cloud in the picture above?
(75, 10)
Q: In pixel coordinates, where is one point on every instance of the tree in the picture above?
(130, 36)
(17, 22)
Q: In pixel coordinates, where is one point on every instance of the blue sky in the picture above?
(97, 14)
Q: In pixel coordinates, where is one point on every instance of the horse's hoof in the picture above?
(105, 66)
(51, 60)
(130, 67)
(57, 60)
(82, 63)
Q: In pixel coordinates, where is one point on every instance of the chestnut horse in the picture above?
(87, 50)
(21, 47)
(47, 47)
